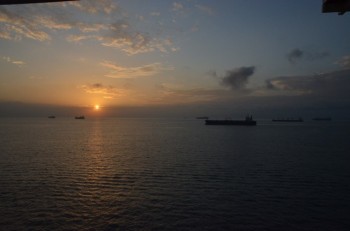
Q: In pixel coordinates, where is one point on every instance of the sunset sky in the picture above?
(214, 56)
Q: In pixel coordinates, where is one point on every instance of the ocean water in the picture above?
(173, 174)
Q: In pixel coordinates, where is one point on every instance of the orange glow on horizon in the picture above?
(97, 107)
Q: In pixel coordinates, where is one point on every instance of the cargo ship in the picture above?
(247, 122)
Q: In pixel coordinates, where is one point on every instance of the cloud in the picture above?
(91, 27)
(328, 85)
(344, 62)
(178, 94)
(95, 7)
(123, 37)
(51, 23)
(15, 62)
(120, 35)
(177, 6)
(113, 31)
(117, 71)
(14, 26)
(155, 14)
(295, 85)
(5, 35)
(324, 94)
(80, 38)
(294, 55)
(99, 88)
(237, 78)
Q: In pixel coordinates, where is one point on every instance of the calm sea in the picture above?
(177, 174)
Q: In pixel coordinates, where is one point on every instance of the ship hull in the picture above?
(231, 122)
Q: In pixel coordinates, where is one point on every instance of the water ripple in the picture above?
(171, 175)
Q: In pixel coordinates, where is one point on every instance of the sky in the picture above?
(172, 57)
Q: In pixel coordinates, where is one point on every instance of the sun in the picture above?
(97, 107)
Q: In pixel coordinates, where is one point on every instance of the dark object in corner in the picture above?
(340, 6)
(14, 2)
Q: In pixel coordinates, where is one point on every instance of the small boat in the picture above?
(51, 117)
(80, 117)
(247, 122)
(288, 120)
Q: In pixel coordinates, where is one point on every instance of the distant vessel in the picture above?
(202, 117)
(80, 117)
(288, 120)
(51, 117)
(247, 122)
(322, 119)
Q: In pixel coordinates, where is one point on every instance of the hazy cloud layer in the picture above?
(333, 85)
(117, 71)
(11, 60)
(294, 55)
(178, 94)
(344, 62)
(237, 78)
(315, 95)
(297, 54)
(98, 88)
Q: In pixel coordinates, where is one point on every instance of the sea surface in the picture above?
(173, 174)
